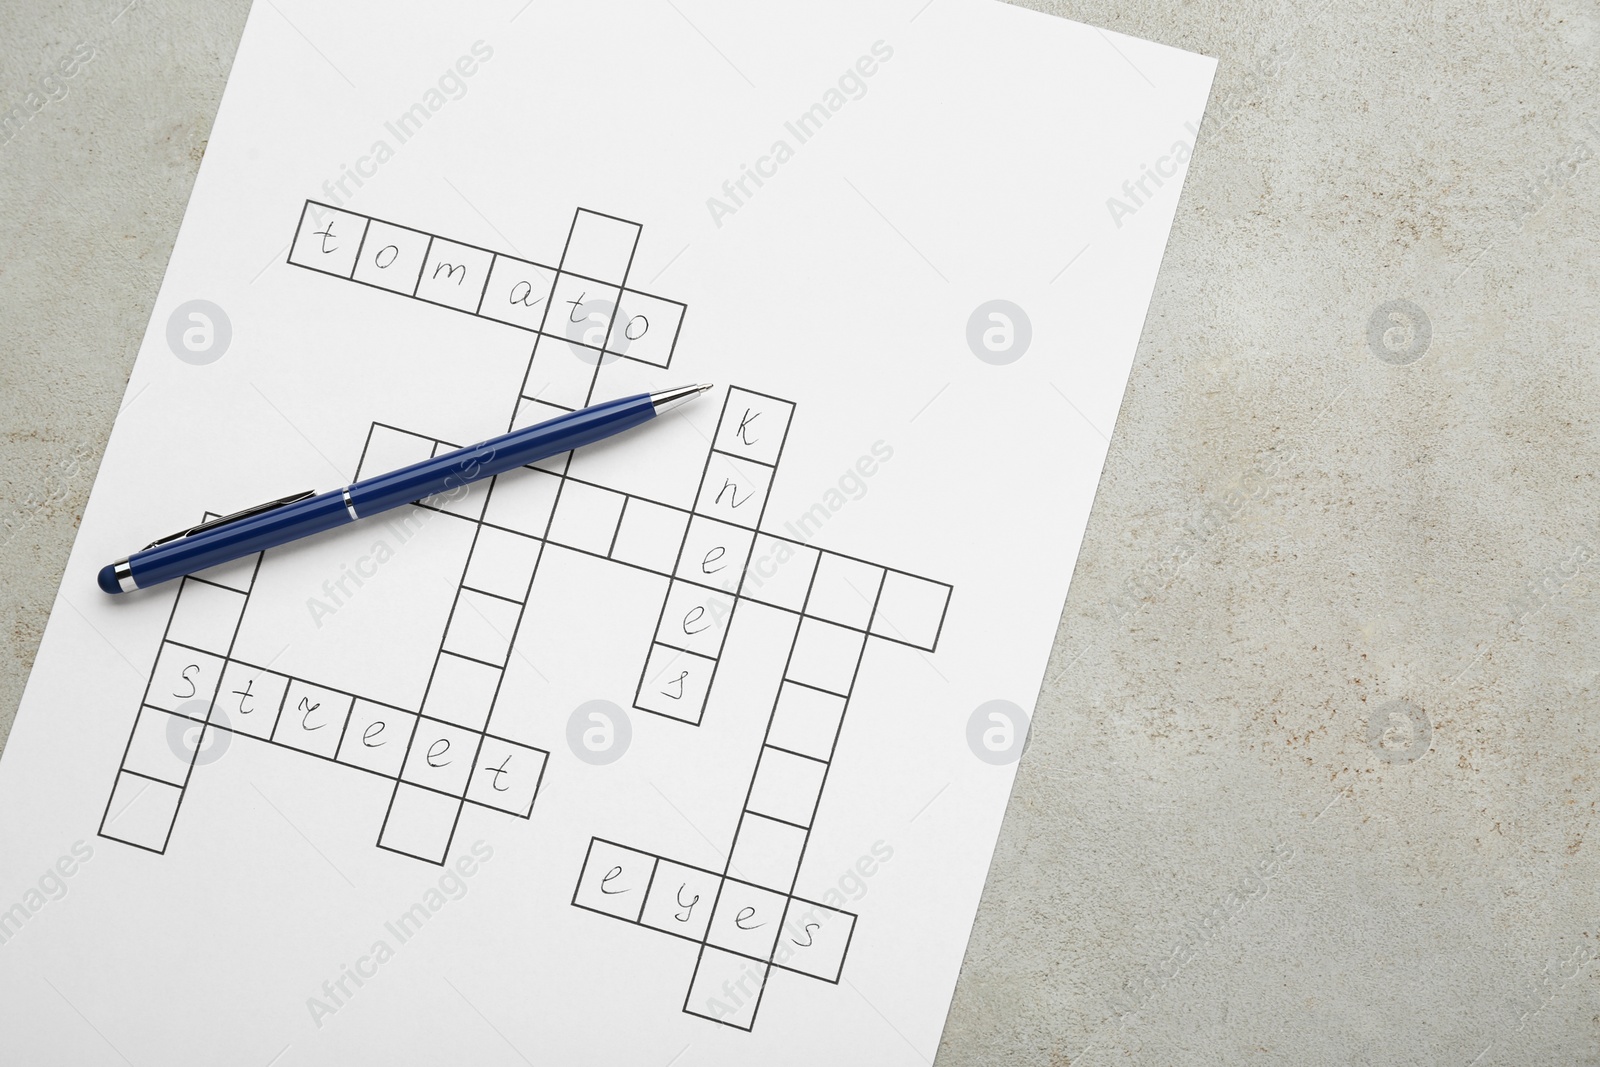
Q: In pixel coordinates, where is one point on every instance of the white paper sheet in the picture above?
(689, 749)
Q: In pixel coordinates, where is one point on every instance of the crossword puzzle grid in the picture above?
(710, 556)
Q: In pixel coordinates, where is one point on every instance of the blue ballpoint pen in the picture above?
(281, 521)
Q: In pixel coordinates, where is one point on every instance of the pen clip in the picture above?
(212, 524)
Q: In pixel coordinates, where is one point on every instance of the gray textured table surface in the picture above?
(1314, 779)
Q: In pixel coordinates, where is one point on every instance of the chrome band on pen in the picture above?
(124, 575)
(349, 505)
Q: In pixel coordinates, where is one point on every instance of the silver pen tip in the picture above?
(668, 399)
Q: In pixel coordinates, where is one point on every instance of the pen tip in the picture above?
(668, 399)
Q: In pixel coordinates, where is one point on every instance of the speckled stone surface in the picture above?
(1314, 777)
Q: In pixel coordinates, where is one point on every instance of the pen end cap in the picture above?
(108, 579)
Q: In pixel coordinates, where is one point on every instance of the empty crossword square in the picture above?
(453, 275)
(734, 490)
(780, 572)
(753, 426)
(481, 627)
(441, 756)
(506, 776)
(389, 449)
(561, 373)
(586, 517)
(248, 700)
(206, 616)
(184, 681)
(645, 328)
(461, 691)
(162, 746)
(649, 535)
(502, 562)
(141, 812)
(746, 919)
(420, 823)
(695, 619)
(327, 240)
(766, 852)
(312, 719)
(806, 721)
(825, 656)
(714, 553)
(911, 609)
(391, 257)
(599, 246)
(680, 899)
(844, 591)
(786, 787)
(675, 683)
(726, 988)
(376, 738)
(614, 879)
(580, 316)
(518, 292)
(814, 939)
(523, 500)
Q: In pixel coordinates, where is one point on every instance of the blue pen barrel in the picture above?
(450, 471)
